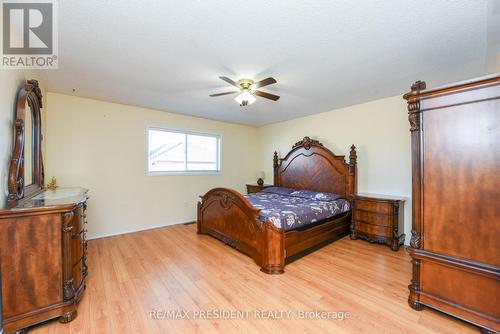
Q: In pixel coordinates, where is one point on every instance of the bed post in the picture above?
(275, 166)
(353, 170)
(273, 249)
(198, 217)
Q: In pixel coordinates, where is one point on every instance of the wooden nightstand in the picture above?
(378, 218)
(255, 188)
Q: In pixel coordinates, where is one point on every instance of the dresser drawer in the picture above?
(378, 219)
(374, 218)
(376, 230)
(373, 206)
(255, 188)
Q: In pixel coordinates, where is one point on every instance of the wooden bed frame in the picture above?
(228, 216)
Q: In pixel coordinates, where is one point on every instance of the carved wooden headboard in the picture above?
(309, 165)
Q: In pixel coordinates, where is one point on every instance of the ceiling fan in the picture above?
(248, 90)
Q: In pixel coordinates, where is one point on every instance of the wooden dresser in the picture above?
(455, 241)
(43, 257)
(255, 188)
(42, 234)
(378, 218)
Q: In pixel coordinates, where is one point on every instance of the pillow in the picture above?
(314, 195)
(279, 190)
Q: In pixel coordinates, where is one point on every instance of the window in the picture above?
(172, 151)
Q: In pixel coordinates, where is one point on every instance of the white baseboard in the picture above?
(91, 237)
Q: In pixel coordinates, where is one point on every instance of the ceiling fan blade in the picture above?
(265, 82)
(229, 81)
(225, 93)
(267, 95)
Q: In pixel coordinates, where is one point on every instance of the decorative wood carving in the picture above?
(228, 216)
(309, 165)
(352, 157)
(29, 94)
(414, 105)
(67, 317)
(16, 171)
(415, 239)
(353, 170)
(68, 288)
(418, 86)
(307, 143)
(226, 201)
(414, 115)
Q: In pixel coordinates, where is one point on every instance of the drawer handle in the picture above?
(78, 234)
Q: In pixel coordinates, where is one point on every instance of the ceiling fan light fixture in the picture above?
(248, 90)
(245, 98)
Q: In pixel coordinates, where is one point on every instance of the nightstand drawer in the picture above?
(378, 219)
(255, 188)
(373, 229)
(373, 206)
(374, 218)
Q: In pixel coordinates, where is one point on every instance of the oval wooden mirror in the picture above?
(26, 166)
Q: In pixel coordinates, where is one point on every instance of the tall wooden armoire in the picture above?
(455, 242)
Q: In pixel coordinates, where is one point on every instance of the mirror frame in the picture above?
(30, 93)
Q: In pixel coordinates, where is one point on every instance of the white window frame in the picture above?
(185, 172)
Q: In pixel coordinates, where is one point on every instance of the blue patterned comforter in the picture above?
(291, 212)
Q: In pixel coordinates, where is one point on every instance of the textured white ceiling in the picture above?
(167, 55)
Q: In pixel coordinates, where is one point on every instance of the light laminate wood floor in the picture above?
(172, 268)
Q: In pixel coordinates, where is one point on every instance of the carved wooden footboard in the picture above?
(228, 216)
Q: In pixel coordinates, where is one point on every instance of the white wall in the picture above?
(380, 131)
(493, 37)
(101, 146)
(10, 83)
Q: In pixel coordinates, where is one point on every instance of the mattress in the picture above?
(290, 212)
